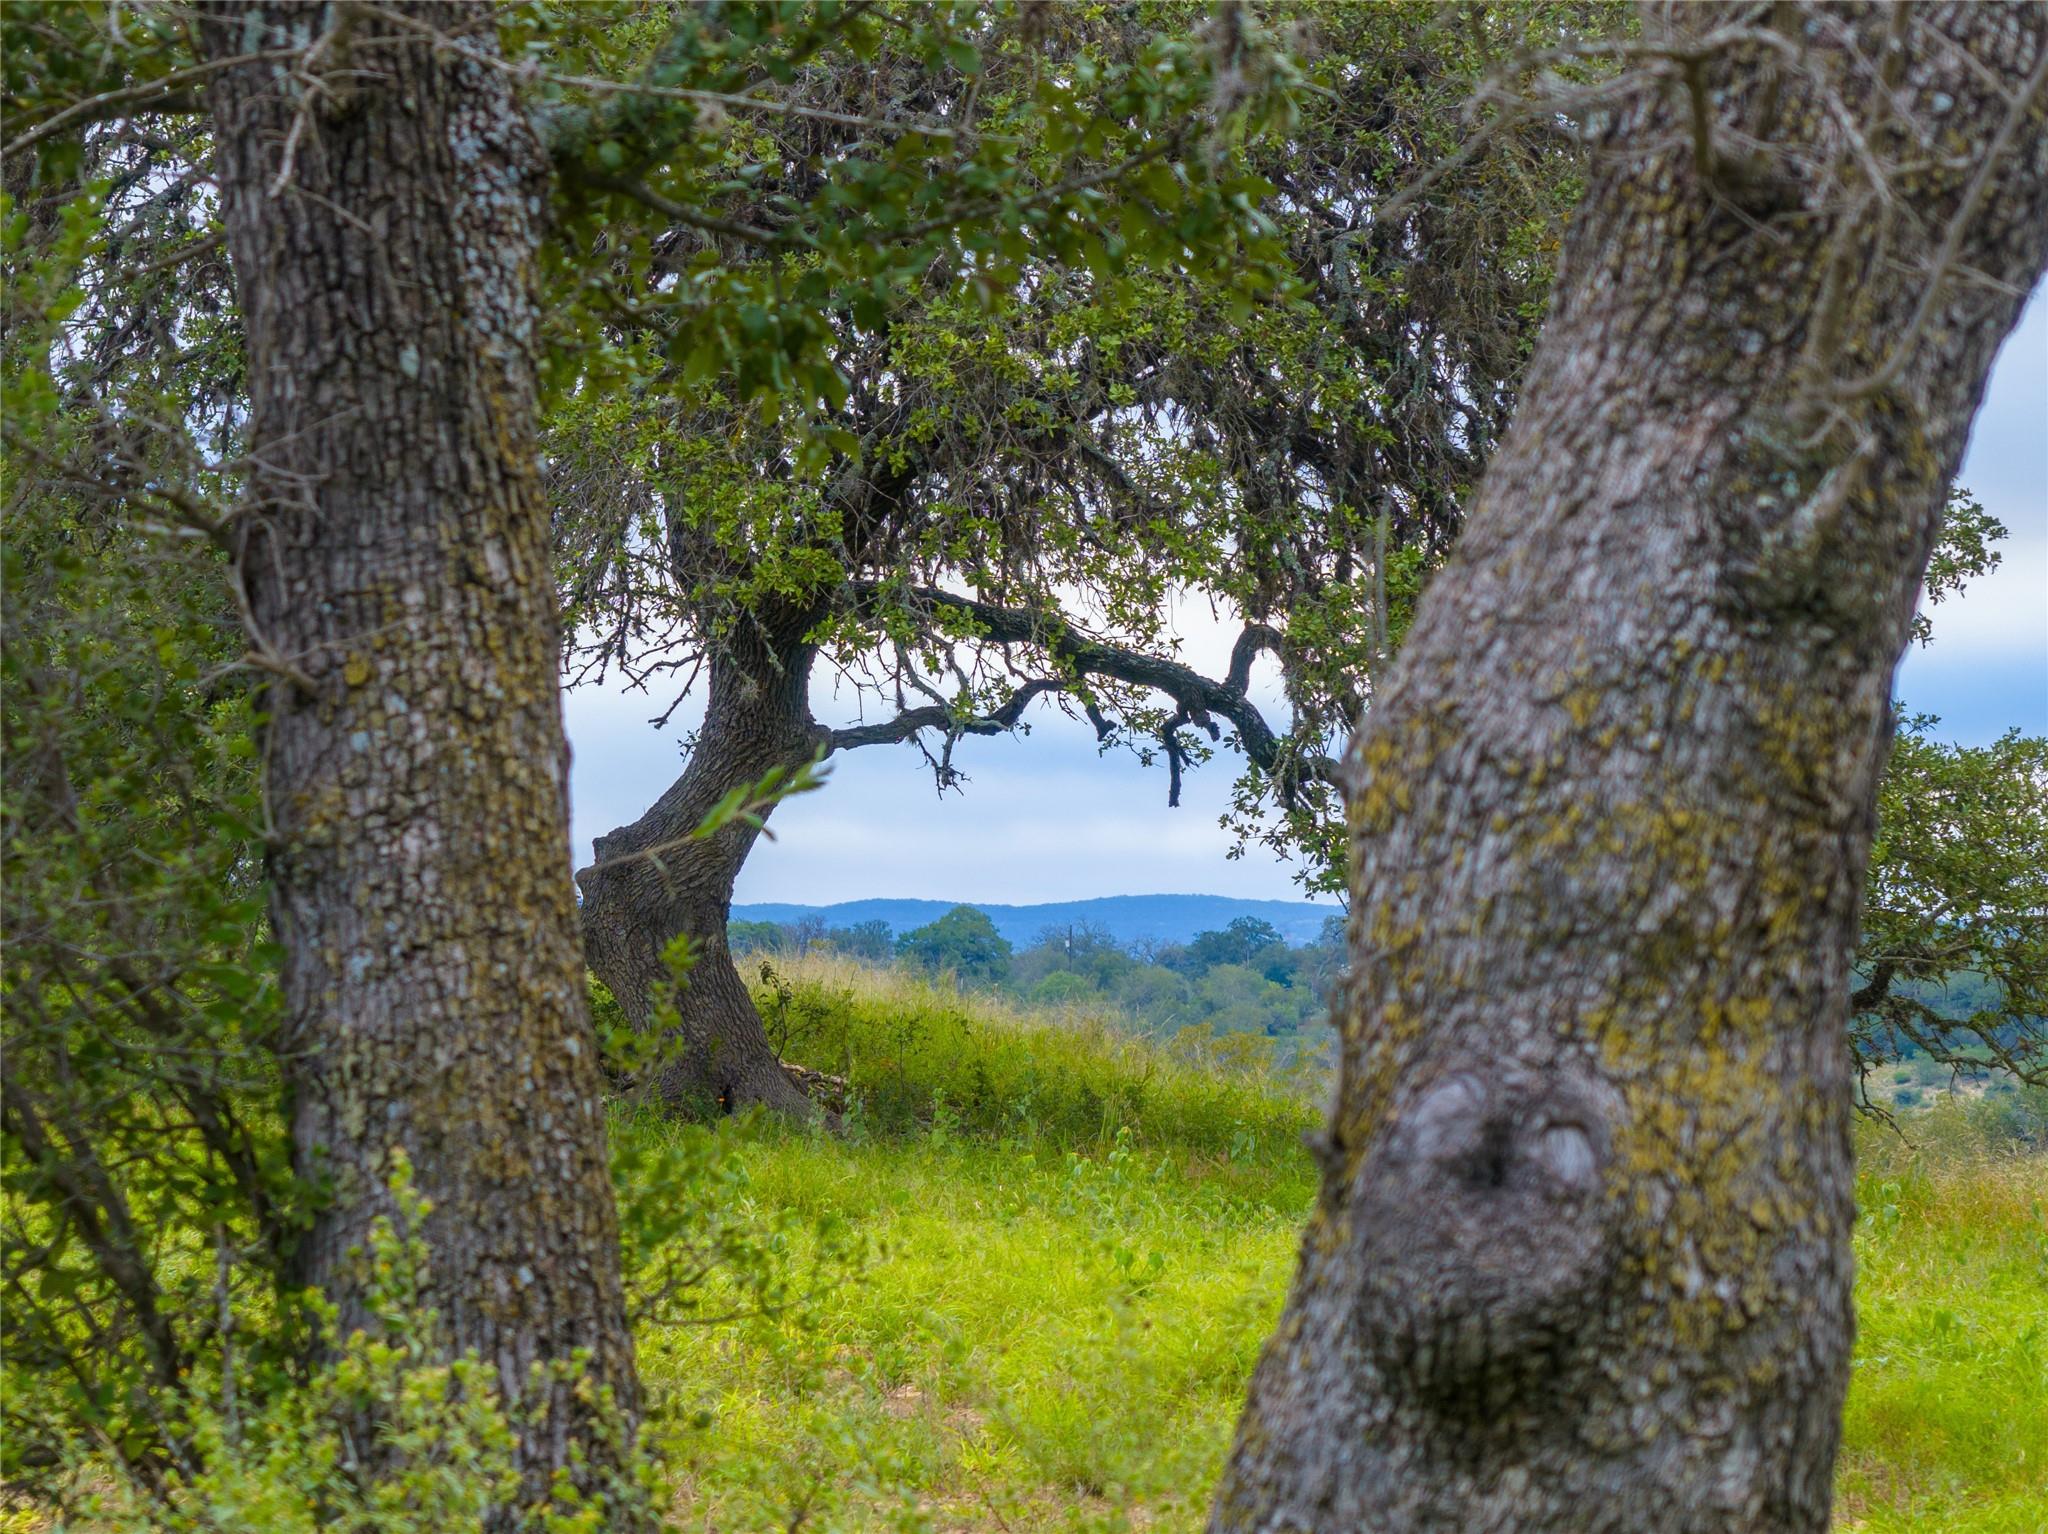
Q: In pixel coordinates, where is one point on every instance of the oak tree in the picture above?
(384, 177)
(384, 203)
(1953, 959)
(1581, 1255)
(1025, 472)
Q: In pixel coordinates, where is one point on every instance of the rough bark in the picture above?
(1581, 1257)
(383, 205)
(653, 881)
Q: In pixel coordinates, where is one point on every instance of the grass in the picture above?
(1947, 1425)
(1032, 1345)
(1076, 1244)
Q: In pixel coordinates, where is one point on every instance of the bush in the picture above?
(1060, 987)
(2018, 1117)
(441, 1438)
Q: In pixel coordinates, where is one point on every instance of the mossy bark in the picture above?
(1581, 1257)
(654, 881)
(384, 203)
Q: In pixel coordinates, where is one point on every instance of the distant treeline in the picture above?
(1245, 978)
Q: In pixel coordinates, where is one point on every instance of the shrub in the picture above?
(440, 1438)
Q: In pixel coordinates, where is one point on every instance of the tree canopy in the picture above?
(1024, 471)
(963, 942)
(1953, 961)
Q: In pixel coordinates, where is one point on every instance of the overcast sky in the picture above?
(1045, 818)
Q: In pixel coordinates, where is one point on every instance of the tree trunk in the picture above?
(397, 568)
(1581, 1257)
(652, 882)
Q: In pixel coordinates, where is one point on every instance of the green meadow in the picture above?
(1024, 1288)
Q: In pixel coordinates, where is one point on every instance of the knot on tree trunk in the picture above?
(1484, 1235)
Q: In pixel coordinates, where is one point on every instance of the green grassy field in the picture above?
(1075, 1245)
(1947, 1426)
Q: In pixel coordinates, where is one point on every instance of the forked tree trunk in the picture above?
(1581, 1257)
(652, 881)
(397, 562)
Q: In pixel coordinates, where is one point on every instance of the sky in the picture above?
(1044, 817)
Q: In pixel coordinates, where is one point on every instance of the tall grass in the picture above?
(1947, 1424)
(1024, 1283)
(913, 1048)
(1077, 1242)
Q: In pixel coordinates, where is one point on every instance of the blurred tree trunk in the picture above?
(384, 203)
(1581, 1258)
(653, 882)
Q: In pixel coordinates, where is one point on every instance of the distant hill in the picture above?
(1127, 918)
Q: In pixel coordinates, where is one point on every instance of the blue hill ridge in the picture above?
(1127, 918)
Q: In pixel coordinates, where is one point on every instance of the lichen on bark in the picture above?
(1581, 1259)
(383, 219)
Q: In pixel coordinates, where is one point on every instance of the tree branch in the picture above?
(525, 70)
(150, 95)
(1866, 997)
(103, 1221)
(938, 717)
(669, 208)
(1079, 657)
